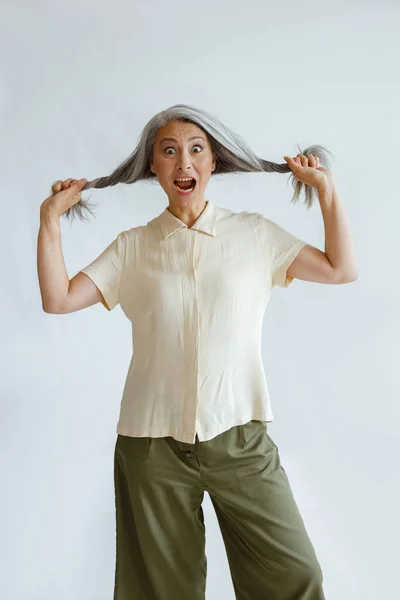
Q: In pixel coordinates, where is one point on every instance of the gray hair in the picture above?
(231, 152)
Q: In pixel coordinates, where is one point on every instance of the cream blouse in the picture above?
(196, 299)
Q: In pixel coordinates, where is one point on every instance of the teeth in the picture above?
(181, 190)
(184, 179)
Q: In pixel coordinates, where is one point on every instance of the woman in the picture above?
(195, 282)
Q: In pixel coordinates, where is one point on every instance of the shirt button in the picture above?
(189, 454)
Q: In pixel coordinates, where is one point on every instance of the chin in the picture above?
(182, 200)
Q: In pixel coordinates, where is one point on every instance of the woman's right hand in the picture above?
(64, 195)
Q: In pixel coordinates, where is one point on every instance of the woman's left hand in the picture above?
(307, 170)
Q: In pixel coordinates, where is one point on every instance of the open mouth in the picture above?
(185, 185)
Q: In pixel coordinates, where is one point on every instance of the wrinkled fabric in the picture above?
(196, 299)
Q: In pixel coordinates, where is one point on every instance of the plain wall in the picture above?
(79, 82)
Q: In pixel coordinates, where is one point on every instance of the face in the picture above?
(186, 153)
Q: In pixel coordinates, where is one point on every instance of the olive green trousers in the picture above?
(160, 531)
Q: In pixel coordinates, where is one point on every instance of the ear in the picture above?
(151, 165)
(214, 163)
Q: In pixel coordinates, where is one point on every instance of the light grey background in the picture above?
(79, 82)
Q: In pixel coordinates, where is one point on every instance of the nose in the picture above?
(183, 161)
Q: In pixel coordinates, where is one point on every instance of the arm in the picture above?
(338, 263)
(59, 295)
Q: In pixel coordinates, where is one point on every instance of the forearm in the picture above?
(338, 240)
(52, 273)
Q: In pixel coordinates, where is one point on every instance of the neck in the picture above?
(187, 213)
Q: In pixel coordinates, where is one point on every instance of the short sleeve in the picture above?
(105, 270)
(281, 247)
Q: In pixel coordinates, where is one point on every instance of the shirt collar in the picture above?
(206, 222)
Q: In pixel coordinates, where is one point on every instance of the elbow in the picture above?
(47, 310)
(347, 277)
(51, 310)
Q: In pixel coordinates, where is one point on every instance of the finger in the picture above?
(78, 183)
(291, 162)
(56, 187)
(311, 160)
(75, 190)
(297, 161)
(60, 185)
(303, 159)
(67, 183)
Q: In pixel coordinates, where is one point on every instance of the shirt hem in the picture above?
(187, 437)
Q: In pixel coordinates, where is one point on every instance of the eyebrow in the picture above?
(172, 139)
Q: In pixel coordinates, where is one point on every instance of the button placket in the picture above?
(191, 323)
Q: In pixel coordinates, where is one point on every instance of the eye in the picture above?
(171, 148)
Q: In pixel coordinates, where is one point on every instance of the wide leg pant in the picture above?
(160, 532)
